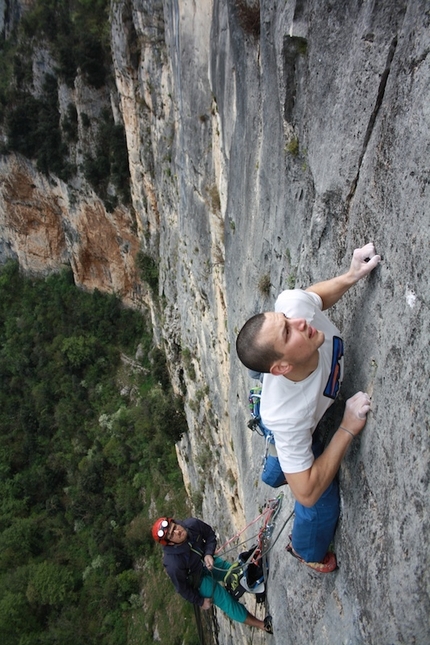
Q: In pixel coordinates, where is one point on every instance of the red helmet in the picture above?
(160, 528)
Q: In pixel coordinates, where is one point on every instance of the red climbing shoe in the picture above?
(327, 565)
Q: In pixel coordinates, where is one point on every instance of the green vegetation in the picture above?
(292, 147)
(110, 162)
(214, 197)
(301, 45)
(87, 459)
(187, 360)
(149, 270)
(248, 15)
(291, 280)
(33, 129)
(70, 124)
(264, 284)
(77, 34)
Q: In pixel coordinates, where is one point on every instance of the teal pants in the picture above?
(210, 588)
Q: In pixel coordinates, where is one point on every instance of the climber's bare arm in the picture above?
(308, 485)
(364, 260)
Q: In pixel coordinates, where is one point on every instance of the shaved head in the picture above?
(253, 352)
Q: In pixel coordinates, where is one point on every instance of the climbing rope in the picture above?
(264, 543)
(200, 631)
(237, 535)
(209, 629)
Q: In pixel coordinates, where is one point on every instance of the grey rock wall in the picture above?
(316, 136)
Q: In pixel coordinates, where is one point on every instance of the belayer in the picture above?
(189, 560)
(300, 353)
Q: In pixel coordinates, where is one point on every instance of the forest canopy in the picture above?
(87, 458)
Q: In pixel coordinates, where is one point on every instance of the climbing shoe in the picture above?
(268, 625)
(327, 564)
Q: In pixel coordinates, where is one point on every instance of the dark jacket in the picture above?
(184, 562)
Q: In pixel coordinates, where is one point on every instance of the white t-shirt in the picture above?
(292, 410)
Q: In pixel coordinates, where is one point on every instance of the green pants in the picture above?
(210, 588)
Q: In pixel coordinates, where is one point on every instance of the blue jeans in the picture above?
(314, 526)
(210, 588)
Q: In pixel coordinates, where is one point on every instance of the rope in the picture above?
(277, 537)
(267, 529)
(262, 553)
(199, 624)
(264, 534)
(210, 625)
(242, 531)
(265, 565)
(265, 512)
(233, 548)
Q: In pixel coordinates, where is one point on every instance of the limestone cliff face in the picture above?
(259, 161)
(42, 227)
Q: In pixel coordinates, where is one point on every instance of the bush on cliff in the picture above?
(77, 34)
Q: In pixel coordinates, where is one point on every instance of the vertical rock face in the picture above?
(259, 159)
(291, 149)
(42, 228)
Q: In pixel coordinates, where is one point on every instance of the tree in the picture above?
(49, 584)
